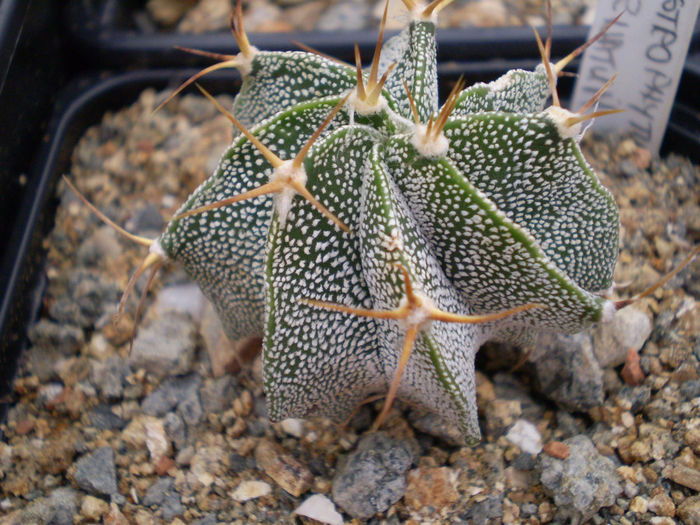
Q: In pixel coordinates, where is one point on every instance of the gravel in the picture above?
(81, 426)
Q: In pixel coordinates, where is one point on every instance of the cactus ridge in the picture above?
(484, 207)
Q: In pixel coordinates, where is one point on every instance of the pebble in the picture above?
(93, 508)
(171, 392)
(63, 338)
(216, 394)
(689, 510)
(176, 430)
(431, 487)
(567, 370)
(638, 505)
(206, 465)
(163, 495)
(557, 449)
(372, 478)
(490, 508)
(85, 299)
(629, 329)
(319, 508)
(582, 483)
(108, 377)
(250, 489)
(165, 347)
(96, 473)
(157, 441)
(58, 508)
(293, 427)
(287, 471)
(183, 299)
(662, 505)
(632, 373)
(526, 436)
(103, 418)
(686, 476)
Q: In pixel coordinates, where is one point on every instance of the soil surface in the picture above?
(604, 426)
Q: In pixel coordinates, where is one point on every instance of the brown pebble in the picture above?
(287, 471)
(431, 486)
(689, 510)
(686, 476)
(164, 464)
(557, 449)
(632, 373)
(662, 505)
(24, 426)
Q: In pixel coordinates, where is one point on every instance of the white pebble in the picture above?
(318, 507)
(250, 490)
(526, 436)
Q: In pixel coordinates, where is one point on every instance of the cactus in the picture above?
(375, 241)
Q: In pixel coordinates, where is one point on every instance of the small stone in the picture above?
(638, 505)
(319, 508)
(57, 509)
(206, 465)
(288, 472)
(490, 508)
(526, 436)
(183, 299)
(692, 439)
(686, 476)
(662, 505)
(89, 295)
(103, 418)
(96, 473)
(372, 478)
(157, 441)
(109, 376)
(689, 510)
(93, 508)
(170, 394)
(216, 394)
(163, 494)
(500, 415)
(434, 487)
(629, 329)
(165, 347)
(293, 427)
(557, 449)
(632, 373)
(436, 426)
(582, 483)
(65, 339)
(115, 517)
(247, 490)
(567, 370)
(176, 430)
(656, 520)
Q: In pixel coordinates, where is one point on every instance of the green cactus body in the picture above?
(495, 210)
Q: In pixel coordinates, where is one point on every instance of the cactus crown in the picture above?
(376, 241)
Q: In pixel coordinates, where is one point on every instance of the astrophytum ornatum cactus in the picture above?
(375, 241)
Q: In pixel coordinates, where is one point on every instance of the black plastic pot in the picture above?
(85, 101)
(101, 33)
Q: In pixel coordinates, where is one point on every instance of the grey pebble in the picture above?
(56, 509)
(690, 389)
(238, 463)
(63, 338)
(103, 418)
(190, 409)
(88, 295)
(373, 477)
(170, 394)
(166, 346)
(176, 430)
(163, 495)
(147, 220)
(96, 473)
(582, 483)
(567, 371)
(108, 377)
(490, 508)
(209, 519)
(633, 398)
(216, 394)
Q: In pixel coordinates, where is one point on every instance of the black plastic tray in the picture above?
(85, 101)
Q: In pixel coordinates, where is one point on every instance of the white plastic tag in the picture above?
(647, 49)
